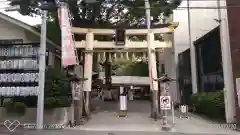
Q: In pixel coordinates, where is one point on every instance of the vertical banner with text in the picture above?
(68, 49)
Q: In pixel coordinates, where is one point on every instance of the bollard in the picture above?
(123, 103)
(183, 109)
(173, 114)
(165, 126)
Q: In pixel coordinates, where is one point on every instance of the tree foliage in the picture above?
(105, 13)
(56, 83)
(137, 68)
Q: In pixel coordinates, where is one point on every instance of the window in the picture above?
(11, 41)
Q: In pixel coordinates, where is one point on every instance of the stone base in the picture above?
(184, 117)
(166, 128)
(122, 113)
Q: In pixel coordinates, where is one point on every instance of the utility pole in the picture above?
(152, 64)
(192, 53)
(42, 66)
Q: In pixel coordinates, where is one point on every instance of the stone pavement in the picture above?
(138, 120)
(81, 132)
(197, 124)
(109, 121)
(106, 122)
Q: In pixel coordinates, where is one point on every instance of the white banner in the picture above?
(123, 103)
(68, 48)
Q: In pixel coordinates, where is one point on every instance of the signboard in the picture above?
(76, 89)
(68, 48)
(238, 90)
(12, 8)
(19, 70)
(165, 102)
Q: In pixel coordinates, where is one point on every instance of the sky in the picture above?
(26, 19)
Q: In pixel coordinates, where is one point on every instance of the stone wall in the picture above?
(54, 116)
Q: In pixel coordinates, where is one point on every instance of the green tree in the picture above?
(104, 14)
(137, 68)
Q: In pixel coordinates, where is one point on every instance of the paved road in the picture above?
(78, 132)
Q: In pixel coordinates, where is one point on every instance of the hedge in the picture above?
(15, 107)
(210, 104)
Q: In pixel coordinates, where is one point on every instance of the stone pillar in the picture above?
(133, 56)
(153, 74)
(144, 55)
(121, 55)
(99, 68)
(127, 56)
(115, 56)
(88, 62)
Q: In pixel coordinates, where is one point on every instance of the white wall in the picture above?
(202, 21)
(12, 31)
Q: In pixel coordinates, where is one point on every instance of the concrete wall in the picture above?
(234, 33)
(54, 116)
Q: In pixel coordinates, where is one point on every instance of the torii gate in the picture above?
(150, 45)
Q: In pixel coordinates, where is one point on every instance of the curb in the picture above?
(22, 126)
(2, 125)
(237, 129)
(18, 126)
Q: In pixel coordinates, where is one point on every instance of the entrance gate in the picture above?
(151, 46)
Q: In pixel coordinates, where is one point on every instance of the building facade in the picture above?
(234, 34)
(16, 32)
(202, 22)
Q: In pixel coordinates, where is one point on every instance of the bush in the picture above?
(57, 102)
(56, 83)
(9, 106)
(210, 104)
(20, 108)
(50, 102)
(63, 101)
